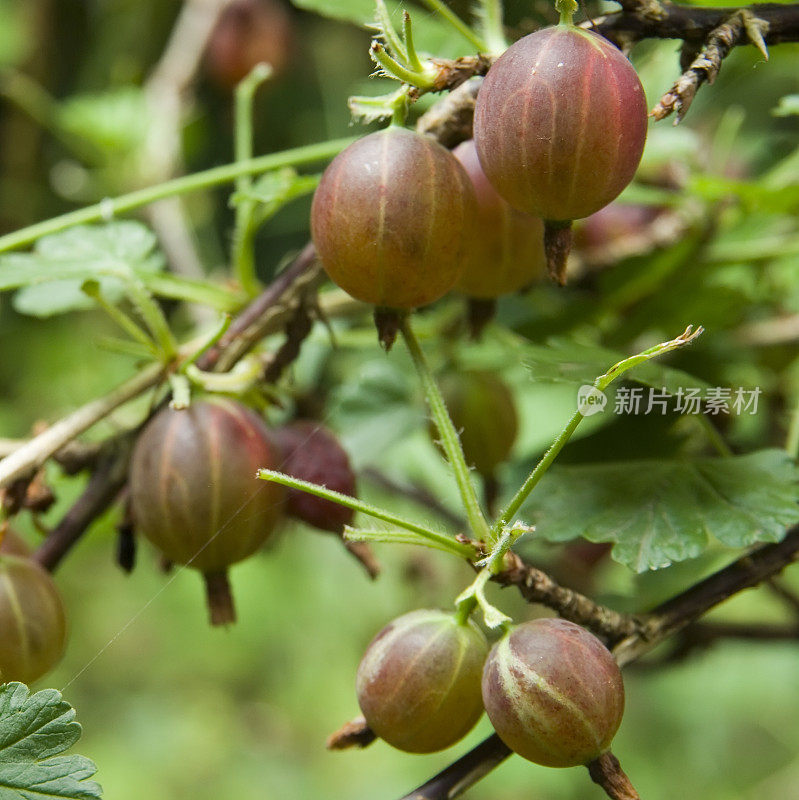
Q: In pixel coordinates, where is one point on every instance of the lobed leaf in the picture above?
(34, 730)
(659, 512)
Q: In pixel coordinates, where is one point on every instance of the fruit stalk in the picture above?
(220, 598)
(449, 436)
(606, 771)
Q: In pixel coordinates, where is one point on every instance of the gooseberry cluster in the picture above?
(559, 129)
(552, 690)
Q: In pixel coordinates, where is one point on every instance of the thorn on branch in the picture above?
(704, 68)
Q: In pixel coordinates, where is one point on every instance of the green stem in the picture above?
(601, 383)
(359, 505)
(457, 23)
(493, 30)
(243, 255)
(407, 34)
(535, 476)
(421, 79)
(111, 207)
(130, 326)
(566, 9)
(215, 336)
(716, 439)
(153, 317)
(386, 28)
(792, 441)
(449, 437)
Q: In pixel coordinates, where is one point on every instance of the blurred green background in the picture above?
(173, 709)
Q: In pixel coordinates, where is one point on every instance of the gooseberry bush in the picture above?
(496, 325)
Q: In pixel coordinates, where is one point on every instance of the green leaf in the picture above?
(431, 34)
(109, 254)
(192, 290)
(659, 512)
(566, 361)
(34, 729)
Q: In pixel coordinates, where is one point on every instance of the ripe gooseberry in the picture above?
(194, 493)
(560, 125)
(553, 693)
(508, 249)
(418, 683)
(32, 620)
(249, 32)
(391, 219)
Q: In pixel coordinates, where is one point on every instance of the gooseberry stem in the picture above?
(109, 208)
(466, 550)
(606, 772)
(566, 9)
(449, 437)
(457, 23)
(600, 384)
(492, 28)
(243, 255)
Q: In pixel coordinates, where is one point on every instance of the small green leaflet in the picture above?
(34, 729)
(109, 254)
(565, 361)
(659, 512)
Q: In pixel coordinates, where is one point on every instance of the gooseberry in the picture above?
(194, 493)
(32, 620)
(560, 125)
(508, 248)
(418, 683)
(553, 693)
(391, 219)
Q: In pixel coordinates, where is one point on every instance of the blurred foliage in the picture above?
(172, 709)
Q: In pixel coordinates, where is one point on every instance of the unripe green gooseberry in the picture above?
(392, 217)
(418, 683)
(483, 411)
(32, 620)
(553, 693)
(508, 245)
(560, 123)
(194, 494)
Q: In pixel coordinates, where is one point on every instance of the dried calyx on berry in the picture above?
(194, 494)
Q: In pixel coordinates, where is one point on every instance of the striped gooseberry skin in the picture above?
(193, 488)
(32, 620)
(391, 219)
(553, 693)
(418, 683)
(560, 123)
(508, 250)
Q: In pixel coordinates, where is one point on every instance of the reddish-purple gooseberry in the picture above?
(508, 245)
(194, 493)
(392, 217)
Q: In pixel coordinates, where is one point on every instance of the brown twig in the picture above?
(706, 65)
(537, 587)
(606, 772)
(101, 491)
